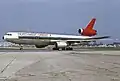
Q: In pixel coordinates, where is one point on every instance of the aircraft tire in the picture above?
(55, 48)
(63, 48)
(21, 48)
(69, 48)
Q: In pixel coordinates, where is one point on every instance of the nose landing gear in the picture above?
(21, 47)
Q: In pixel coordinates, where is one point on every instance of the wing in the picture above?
(81, 40)
(88, 39)
(99, 37)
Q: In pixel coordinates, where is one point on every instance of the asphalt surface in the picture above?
(43, 65)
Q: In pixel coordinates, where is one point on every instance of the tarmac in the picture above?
(46, 65)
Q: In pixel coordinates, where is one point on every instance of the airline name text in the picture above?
(33, 34)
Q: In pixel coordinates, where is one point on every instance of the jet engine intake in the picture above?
(80, 31)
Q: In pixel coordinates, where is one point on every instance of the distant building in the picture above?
(116, 43)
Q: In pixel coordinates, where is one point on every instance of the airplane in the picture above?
(88, 30)
(41, 40)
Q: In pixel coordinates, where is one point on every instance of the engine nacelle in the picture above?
(87, 32)
(40, 46)
(60, 44)
(80, 31)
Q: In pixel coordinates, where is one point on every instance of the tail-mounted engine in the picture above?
(80, 31)
(87, 32)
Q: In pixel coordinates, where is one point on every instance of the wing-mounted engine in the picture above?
(60, 44)
(40, 46)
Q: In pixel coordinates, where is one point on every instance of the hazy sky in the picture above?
(60, 16)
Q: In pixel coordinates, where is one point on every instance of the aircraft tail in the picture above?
(91, 24)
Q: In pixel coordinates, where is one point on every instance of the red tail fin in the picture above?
(91, 24)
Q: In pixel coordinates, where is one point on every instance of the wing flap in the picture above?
(99, 37)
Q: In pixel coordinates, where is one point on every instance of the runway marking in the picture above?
(7, 65)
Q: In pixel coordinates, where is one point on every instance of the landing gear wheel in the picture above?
(69, 48)
(55, 48)
(21, 47)
(63, 49)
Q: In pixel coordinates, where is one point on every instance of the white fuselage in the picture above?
(39, 38)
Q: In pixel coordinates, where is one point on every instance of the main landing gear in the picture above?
(64, 48)
(21, 47)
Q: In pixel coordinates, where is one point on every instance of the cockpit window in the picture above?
(8, 34)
